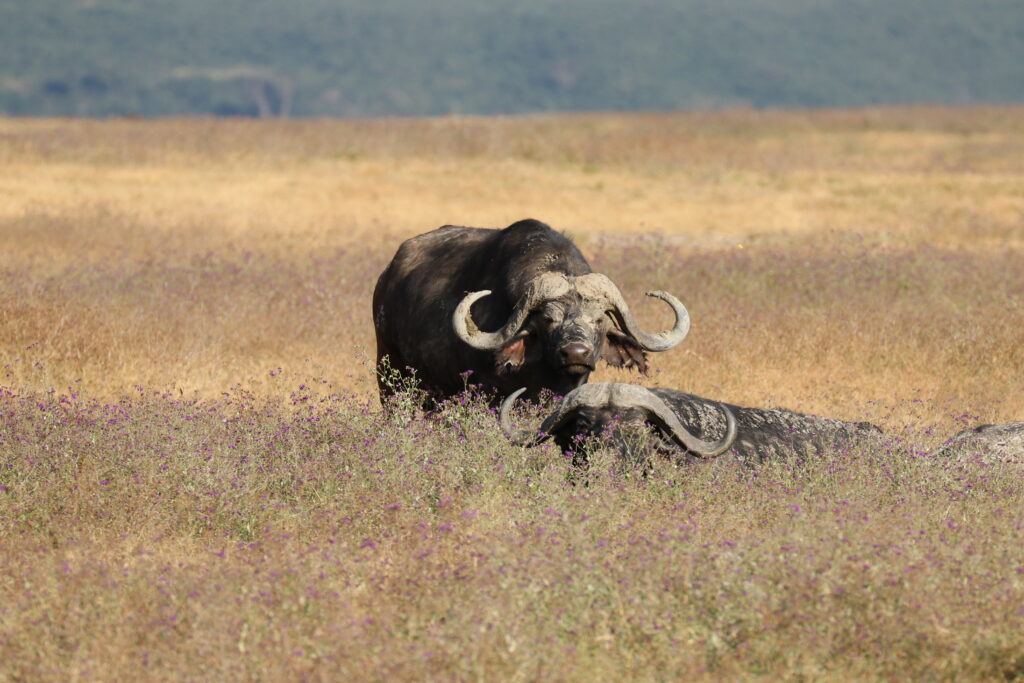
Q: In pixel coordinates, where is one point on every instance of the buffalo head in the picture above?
(568, 323)
(624, 414)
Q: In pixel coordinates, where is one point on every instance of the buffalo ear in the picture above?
(515, 354)
(622, 351)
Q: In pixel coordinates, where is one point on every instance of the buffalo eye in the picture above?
(551, 315)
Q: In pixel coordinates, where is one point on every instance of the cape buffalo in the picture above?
(987, 443)
(550, 317)
(676, 423)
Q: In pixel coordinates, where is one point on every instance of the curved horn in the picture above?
(631, 395)
(519, 437)
(659, 341)
(526, 438)
(705, 449)
(547, 286)
(485, 341)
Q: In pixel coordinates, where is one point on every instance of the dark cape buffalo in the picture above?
(674, 423)
(548, 317)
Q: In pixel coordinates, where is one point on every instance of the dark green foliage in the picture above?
(345, 57)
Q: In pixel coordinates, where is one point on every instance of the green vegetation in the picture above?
(350, 58)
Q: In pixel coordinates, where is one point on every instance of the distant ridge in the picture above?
(408, 57)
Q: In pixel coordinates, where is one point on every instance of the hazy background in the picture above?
(408, 57)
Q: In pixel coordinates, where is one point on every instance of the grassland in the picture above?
(195, 481)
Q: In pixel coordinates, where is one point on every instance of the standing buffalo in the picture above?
(551, 318)
(675, 423)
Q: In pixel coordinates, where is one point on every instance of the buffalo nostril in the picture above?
(575, 354)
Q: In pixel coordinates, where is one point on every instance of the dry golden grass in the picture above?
(915, 176)
(196, 254)
(147, 533)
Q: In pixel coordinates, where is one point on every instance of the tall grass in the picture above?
(305, 535)
(196, 480)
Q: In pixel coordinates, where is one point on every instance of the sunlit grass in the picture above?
(196, 480)
(306, 535)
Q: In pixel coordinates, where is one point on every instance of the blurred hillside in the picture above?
(406, 57)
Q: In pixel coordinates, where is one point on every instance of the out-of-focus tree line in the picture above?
(409, 57)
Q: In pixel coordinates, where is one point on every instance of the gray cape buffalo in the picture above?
(987, 443)
(675, 423)
(518, 307)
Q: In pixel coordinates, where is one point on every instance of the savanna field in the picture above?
(197, 482)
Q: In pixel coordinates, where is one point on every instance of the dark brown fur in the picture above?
(418, 292)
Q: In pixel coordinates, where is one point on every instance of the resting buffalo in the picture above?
(988, 443)
(674, 423)
(550, 317)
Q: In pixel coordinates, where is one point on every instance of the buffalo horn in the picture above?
(525, 437)
(547, 286)
(705, 449)
(659, 341)
(632, 396)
